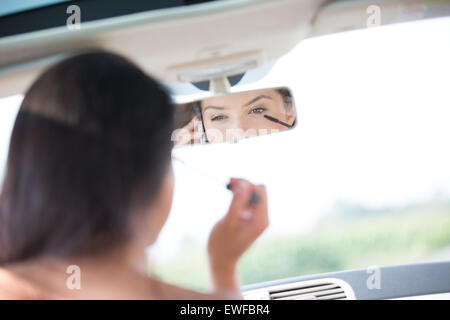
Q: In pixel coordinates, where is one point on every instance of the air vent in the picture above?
(320, 289)
(326, 291)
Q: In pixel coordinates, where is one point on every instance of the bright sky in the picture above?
(373, 129)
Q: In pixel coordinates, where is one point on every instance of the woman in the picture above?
(236, 116)
(247, 114)
(89, 185)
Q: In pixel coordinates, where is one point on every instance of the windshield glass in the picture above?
(363, 180)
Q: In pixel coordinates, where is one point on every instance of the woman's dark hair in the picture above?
(91, 143)
(287, 97)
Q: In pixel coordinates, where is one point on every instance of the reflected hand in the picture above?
(188, 134)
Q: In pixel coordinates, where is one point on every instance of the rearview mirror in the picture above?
(235, 116)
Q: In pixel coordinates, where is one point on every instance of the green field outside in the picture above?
(340, 242)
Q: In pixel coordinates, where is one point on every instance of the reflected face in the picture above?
(247, 114)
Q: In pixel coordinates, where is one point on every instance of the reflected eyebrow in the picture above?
(256, 99)
(248, 103)
(213, 107)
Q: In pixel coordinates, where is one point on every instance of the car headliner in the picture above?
(198, 38)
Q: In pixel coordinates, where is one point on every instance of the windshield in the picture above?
(363, 180)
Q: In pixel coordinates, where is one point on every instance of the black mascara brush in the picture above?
(277, 121)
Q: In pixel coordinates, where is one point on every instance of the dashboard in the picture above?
(429, 280)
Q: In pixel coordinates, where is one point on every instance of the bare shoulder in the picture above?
(13, 287)
(172, 292)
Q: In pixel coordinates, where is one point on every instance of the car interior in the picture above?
(342, 110)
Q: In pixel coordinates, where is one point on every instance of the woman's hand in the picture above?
(188, 134)
(233, 234)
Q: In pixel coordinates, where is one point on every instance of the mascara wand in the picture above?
(254, 198)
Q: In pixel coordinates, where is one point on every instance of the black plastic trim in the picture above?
(56, 15)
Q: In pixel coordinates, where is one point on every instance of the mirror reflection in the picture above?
(231, 117)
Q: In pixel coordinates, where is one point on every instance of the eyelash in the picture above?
(216, 118)
(254, 110)
(257, 108)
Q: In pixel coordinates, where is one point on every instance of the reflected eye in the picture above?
(257, 110)
(217, 117)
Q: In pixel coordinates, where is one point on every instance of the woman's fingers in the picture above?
(259, 210)
(251, 215)
(235, 233)
(195, 122)
(185, 134)
(197, 136)
(189, 134)
(242, 190)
